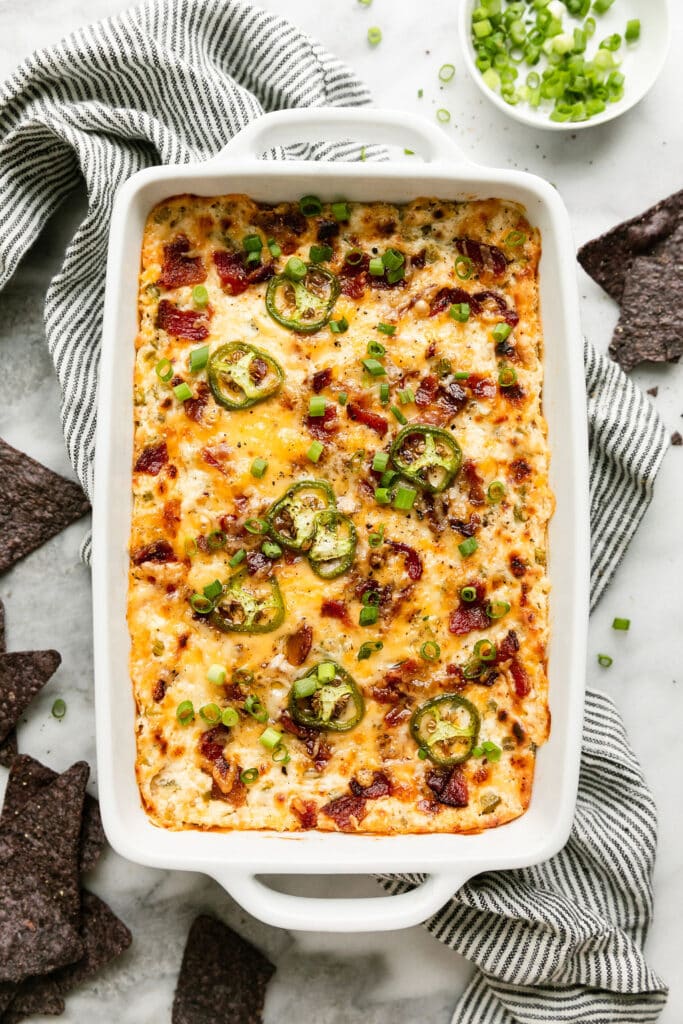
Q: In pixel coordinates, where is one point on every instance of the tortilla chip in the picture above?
(22, 675)
(8, 747)
(649, 327)
(27, 779)
(656, 232)
(223, 977)
(39, 883)
(35, 504)
(33, 996)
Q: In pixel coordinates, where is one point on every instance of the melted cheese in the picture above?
(207, 485)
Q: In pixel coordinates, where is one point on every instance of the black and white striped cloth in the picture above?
(170, 82)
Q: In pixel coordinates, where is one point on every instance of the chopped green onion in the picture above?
(507, 376)
(258, 468)
(367, 649)
(382, 495)
(342, 398)
(393, 259)
(255, 708)
(201, 604)
(365, 3)
(515, 238)
(340, 211)
(491, 751)
(485, 650)
(602, 6)
(213, 590)
(422, 754)
(482, 28)
(375, 540)
(59, 708)
(632, 32)
(374, 368)
(380, 462)
(274, 248)
(216, 540)
(270, 737)
(387, 328)
(339, 326)
(252, 243)
(270, 549)
(256, 526)
(409, 152)
(310, 206)
(622, 624)
(468, 547)
(497, 609)
(496, 492)
(501, 331)
(216, 674)
(369, 614)
(182, 392)
(464, 267)
(320, 253)
(314, 451)
(164, 370)
(604, 660)
(249, 775)
(210, 713)
(468, 594)
(404, 498)
(200, 296)
(375, 348)
(326, 672)
(446, 72)
(420, 93)
(199, 357)
(406, 396)
(384, 393)
(460, 312)
(229, 718)
(253, 257)
(376, 266)
(191, 547)
(399, 415)
(185, 712)
(305, 687)
(295, 269)
(443, 115)
(374, 36)
(281, 754)
(461, 375)
(430, 651)
(317, 406)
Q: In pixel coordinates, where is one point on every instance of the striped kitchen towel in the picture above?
(170, 82)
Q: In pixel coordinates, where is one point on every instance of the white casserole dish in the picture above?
(234, 859)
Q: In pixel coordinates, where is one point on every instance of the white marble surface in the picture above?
(604, 175)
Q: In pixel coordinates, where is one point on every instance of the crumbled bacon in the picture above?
(216, 456)
(520, 678)
(183, 323)
(466, 527)
(418, 259)
(236, 275)
(353, 277)
(388, 694)
(483, 256)
(482, 300)
(515, 393)
(194, 407)
(426, 391)
(314, 744)
(521, 470)
(212, 742)
(470, 615)
(397, 715)
(322, 427)
(369, 419)
(380, 785)
(346, 811)
(157, 551)
(258, 563)
(327, 230)
(152, 459)
(518, 566)
(413, 562)
(450, 787)
(509, 646)
(298, 644)
(159, 691)
(227, 784)
(321, 379)
(177, 268)
(335, 610)
(481, 387)
(474, 481)
(447, 297)
(306, 811)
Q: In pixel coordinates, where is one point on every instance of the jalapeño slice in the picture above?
(241, 375)
(248, 605)
(446, 728)
(333, 703)
(292, 520)
(304, 305)
(426, 455)
(333, 546)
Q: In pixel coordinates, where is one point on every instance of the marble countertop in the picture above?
(604, 175)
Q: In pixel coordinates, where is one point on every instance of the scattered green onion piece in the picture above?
(374, 36)
(380, 462)
(281, 754)
(507, 376)
(201, 604)
(632, 33)
(182, 392)
(270, 549)
(404, 498)
(468, 594)
(164, 370)
(375, 348)
(602, 6)
(621, 624)
(501, 331)
(342, 398)
(255, 708)
(422, 754)
(249, 775)
(367, 649)
(199, 357)
(274, 248)
(376, 266)
(326, 672)
(341, 211)
(191, 547)
(468, 547)
(443, 115)
(305, 687)
(482, 28)
(387, 329)
(255, 526)
(406, 396)
(384, 393)
(375, 540)
(382, 496)
(216, 540)
(310, 206)
(374, 368)
(485, 650)
(460, 312)
(461, 375)
(253, 257)
(339, 326)
(496, 492)
(258, 468)
(516, 238)
(409, 152)
(497, 609)
(213, 590)
(229, 718)
(210, 713)
(252, 243)
(216, 674)
(393, 259)
(59, 708)
(369, 614)
(365, 3)
(399, 415)
(295, 269)
(430, 651)
(420, 93)
(314, 451)
(320, 253)
(446, 72)
(491, 751)
(604, 660)
(464, 267)
(270, 738)
(185, 712)
(200, 296)
(317, 406)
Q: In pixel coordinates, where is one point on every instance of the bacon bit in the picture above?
(177, 268)
(314, 744)
(183, 323)
(418, 259)
(157, 551)
(321, 379)
(518, 566)
(369, 419)
(426, 391)
(327, 230)
(483, 299)
(389, 694)
(481, 387)
(515, 393)
(450, 787)
(413, 562)
(159, 691)
(379, 786)
(235, 274)
(466, 527)
(202, 544)
(194, 407)
(257, 563)
(227, 784)
(211, 459)
(353, 286)
(470, 615)
(452, 397)
(521, 470)
(447, 297)
(520, 678)
(212, 742)
(171, 515)
(428, 806)
(397, 715)
(335, 610)
(518, 732)
(346, 811)
(298, 645)
(322, 427)
(476, 491)
(306, 811)
(509, 646)
(481, 775)
(152, 459)
(485, 257)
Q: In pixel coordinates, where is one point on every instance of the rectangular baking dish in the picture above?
(235, 859)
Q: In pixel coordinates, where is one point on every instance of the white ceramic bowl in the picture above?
(236, 858)
(641, 65)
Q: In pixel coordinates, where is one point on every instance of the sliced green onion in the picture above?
(422, 754)
(464, 267)
(369, 614)
(461, 375)
(164, 370)
(185, 712)
(256, 526)
(326, 672)
(317, 406)
(460, 312)
(374, 368)
(507, 376)
(191, 547)
(468, 547)
(399, 415)
(199, 357)
(253, 257)
(216, 674)
(270, 549)
(602, 6)
(430, 651)
(604, 660)
(295, 269)
(406, 396)
(59, 708)
(376, 266)
(339, 326)
(314, 451)
(375, 348)
(270, 737)
(622, 624)
(237, 558)
(281, 754)
(305, 687)
(252, 243)
(182, 392)
(515, 238)
(497, 609)
(468, 594)
(310, 206)
(443, 115)
(210, 713)
(367, 649)
(384, 393)
(213, 590)
(255, 708)
(446, 72)
(404, 498)
(200, 296)
(491, 751)
(258, 468)
(496, 492)
(393, 259)
(216, 540)
(242, 677)
(501, 331)
(380, 462)
(320, 253)
(249, 775)
(229, 718)
(201, 604)
(485, 650)
(374, 36)
(341, 211)
(409, 152)
(387, 328)
(382, 495)
(632, 32)
(342, 398)
(274, 248)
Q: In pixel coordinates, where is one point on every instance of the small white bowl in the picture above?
(641, 61)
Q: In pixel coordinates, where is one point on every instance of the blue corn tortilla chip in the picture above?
(650, 328)
(22, 675)
(40, 904)
(8, 746)
(35, 504)
(223, 977)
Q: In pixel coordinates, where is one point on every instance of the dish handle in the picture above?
(339, 124)
(356, 914)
